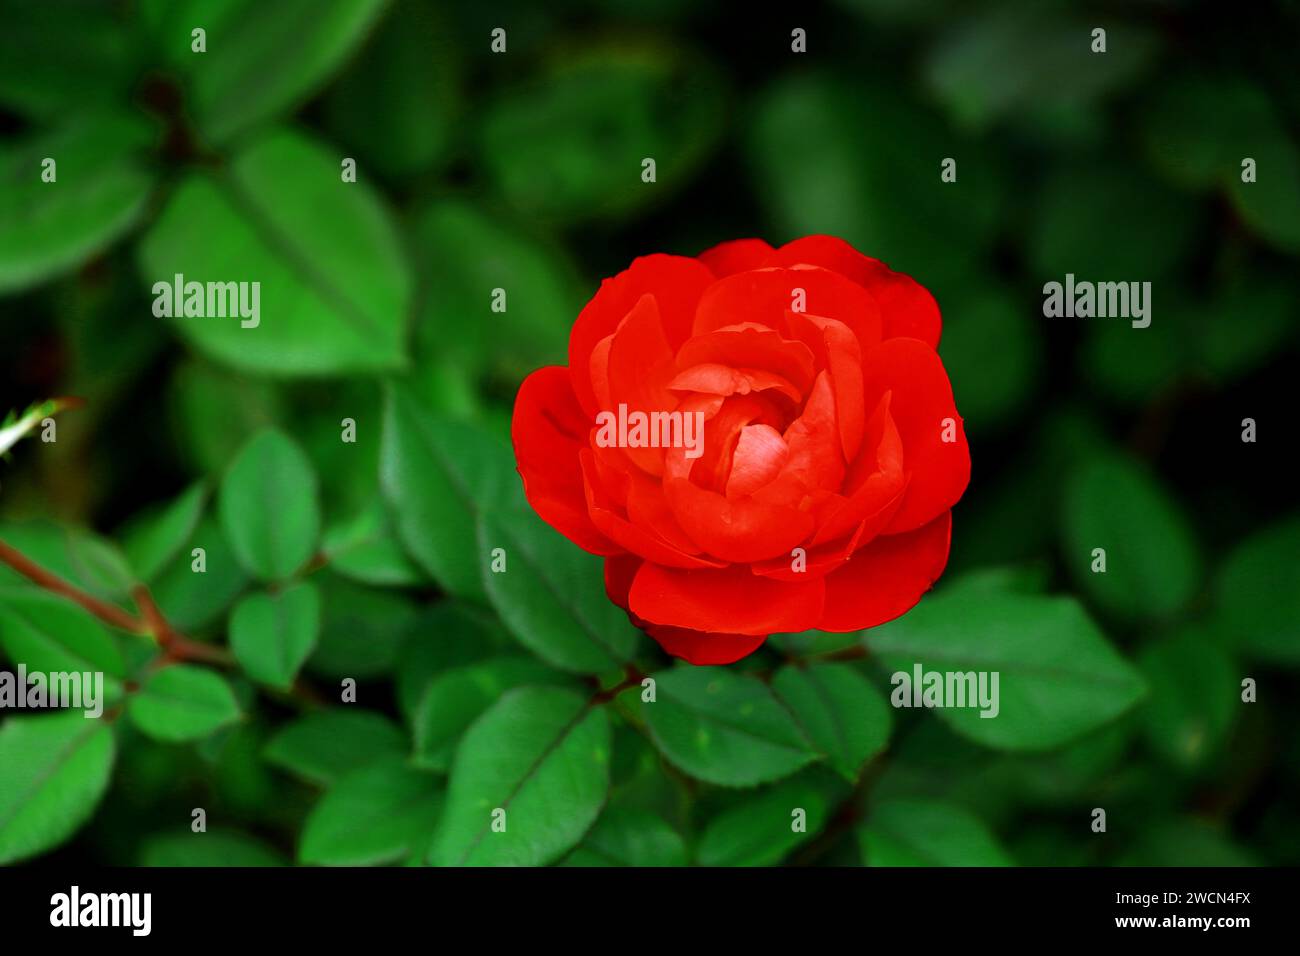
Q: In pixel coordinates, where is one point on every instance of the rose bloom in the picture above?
(819, 496)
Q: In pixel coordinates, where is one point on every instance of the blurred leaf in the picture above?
(570, 146)
(863, 183)
(1134, 367)
(53, 772)
(454, 698)
(1006, 61)
(365, 548)
(191, 599)
(59, 59)
(467, 255)
(1227, 348)
(542, 756)
(628, 837)
(377, 814)
(272, 635)
(1244, 124)
(262, 58)
(268, 506)
(724, 728)
(182, 703)
(435, 476)
(993, 354)
(552, 595)
(843, 715)
(323, 746)
(761, 830)
(1074, 228)
(102, 186)
(152, 540)
(447, 635)
(1257, 591)
(215, 848)
(335, 290)
(928, 833)
(1057, 676)
(74, 554)
(1194, 699)
(51, 635)
(410, 66)
(1153, 562)
(215, 412)
(362, 629)
(1186, 843)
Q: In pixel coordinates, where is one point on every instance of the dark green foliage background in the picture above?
(329, 560)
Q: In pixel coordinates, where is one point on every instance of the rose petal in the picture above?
(548, 431)
(920, 405)
(906, 307)
(765, 295)
(736, 529)
(702, 648)
(728, 601)
(759, 457)
(640, 367)
(676, 282)
(886, 578)
(738, 255)
(751, 346)
(631, 537)
(837, 350)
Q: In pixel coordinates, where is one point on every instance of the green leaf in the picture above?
(53, 771)
(435, 476)
(268, 506)
(1258, 594)
(324, 746)
(552, 595)
(261, 59)
(843, 715)
(52, 636)
(192, 599)
(761, 830)
(377, 814)
(447, 635)
(153, 540)
(625, 836)
(454, 698)
(1153, 563)
(366, 549)
(928, 833)
(540, 754)
(215, 848)
(1195, 697)
(1057, 676)
(335, 290)
(724, 728)
(101, 189)
(183, 703)
(272, 635)
(570, 146)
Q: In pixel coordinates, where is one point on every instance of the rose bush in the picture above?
(832, 449)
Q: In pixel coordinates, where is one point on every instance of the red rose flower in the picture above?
(757, 440)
